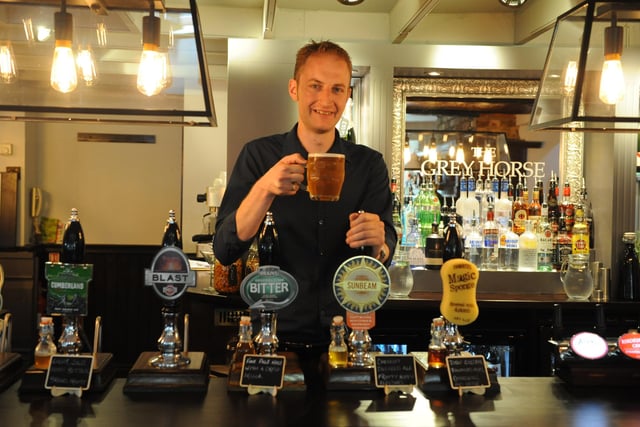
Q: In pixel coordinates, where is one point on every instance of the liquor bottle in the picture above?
(396, 209)
(488, 196)
(73, 240)
(520, 210)
(470, 207)
(268, 244)
(414, 245)
(243, 346)
(580, 233)
(434, 249)
(453, 246)
(338, 353)
(172, 235)
(473, 245)
(525, 195)
(535, 209)
(552, 202)
(503, 205)
(408, 214)
(494, 192)
(437, 352)
(479, 196)
(45, 347)
(567, 208)
(528, 249)
(463, 197)
(427, 207)
(629, 288)
(396, 212)
(490, 238)
(508, 249)
(540, 186)
(545, 241)
(266, 341)
(444, 218)
(561, 248)
(588, 213)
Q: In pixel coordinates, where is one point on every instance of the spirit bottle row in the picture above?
(499, 226)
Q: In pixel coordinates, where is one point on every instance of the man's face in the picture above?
(322, 91)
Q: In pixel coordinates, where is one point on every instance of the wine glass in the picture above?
(210, 258)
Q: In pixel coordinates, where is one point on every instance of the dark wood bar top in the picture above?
(543, 402)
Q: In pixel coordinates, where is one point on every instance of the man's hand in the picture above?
(285, 177)
(366, 229)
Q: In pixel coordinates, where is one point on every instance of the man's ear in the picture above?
(293, 89)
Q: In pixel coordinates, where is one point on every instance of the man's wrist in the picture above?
(382, 253)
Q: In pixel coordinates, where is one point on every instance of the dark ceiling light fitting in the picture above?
(350, 2)
(512, 3)
(583, 85)
(185, 97)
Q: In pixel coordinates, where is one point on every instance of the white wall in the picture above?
(123, 191)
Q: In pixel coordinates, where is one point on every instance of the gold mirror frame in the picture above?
(571, 149)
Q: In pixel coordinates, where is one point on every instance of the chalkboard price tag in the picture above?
(262, 371)
(69, 374)
(467, 372)
(395, 373)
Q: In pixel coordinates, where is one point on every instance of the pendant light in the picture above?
(460, 153)
(64, 77)
(7, 63)
(583, 85)
(612, 78)
(87, 66)
(433, 150)
(153, 71)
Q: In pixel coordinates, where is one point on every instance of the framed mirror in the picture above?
(465, 94)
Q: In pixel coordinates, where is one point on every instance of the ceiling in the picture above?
(369, 6)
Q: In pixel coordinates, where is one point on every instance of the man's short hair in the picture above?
(314, 47)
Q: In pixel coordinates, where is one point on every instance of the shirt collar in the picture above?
(293, 145)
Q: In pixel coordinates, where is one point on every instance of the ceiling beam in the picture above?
(406, 14)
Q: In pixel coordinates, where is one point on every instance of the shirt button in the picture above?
(321, 222)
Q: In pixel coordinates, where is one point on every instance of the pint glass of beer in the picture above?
(325, 175)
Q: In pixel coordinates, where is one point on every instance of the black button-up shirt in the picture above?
(311, 233)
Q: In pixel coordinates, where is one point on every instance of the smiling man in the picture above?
(315, 237)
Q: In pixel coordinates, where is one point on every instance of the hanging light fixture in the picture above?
(433, 150)
(7, 63)
(154, 72)
(86, 66)
(64, 77)
(116, 98)
(575, 91)
(350, 2)
(612, 78)
(460, 153)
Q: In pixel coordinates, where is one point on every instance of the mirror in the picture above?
(471, 95)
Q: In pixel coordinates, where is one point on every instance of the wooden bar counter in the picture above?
(521, 402)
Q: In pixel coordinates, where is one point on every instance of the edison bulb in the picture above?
(87, 67)
(612, 80)
(7, 64)
(153, 72)
(64, 77)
